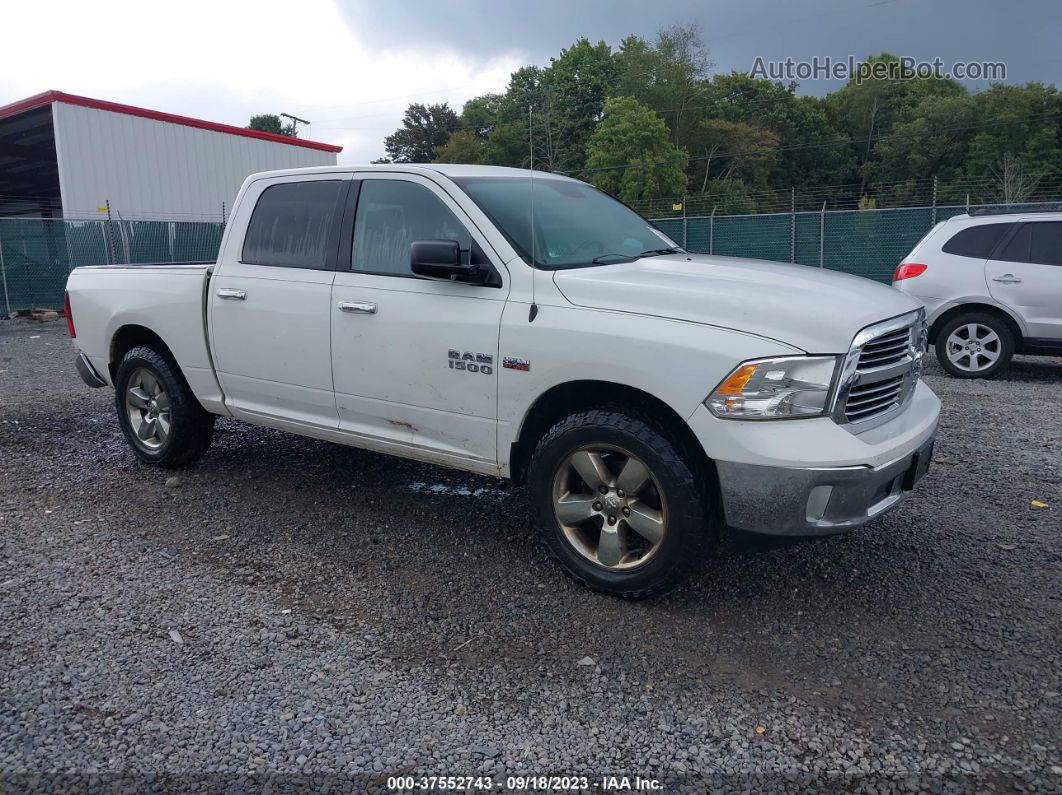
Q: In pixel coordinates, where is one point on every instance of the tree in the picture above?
(808, 153)
(732, 150)
(481, 115)
(1023, 122)
(576, 84)
(424, 128)
(669, 76)
(271, 123)
(462, 147)
(1013, 183)
(927, 140)
(630, 153)
(867, 107)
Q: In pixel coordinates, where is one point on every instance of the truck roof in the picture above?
(448, 169)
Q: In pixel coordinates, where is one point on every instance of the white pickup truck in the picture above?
(532, 328)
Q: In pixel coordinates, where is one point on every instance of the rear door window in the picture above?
(976, 241)
(292, 224)
(1017, 248)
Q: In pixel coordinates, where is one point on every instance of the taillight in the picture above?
(908, 270)
(69, 315)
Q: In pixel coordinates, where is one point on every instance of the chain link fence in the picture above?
(868, 243)
(36, 255)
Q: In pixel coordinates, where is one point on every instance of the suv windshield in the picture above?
(576, 225)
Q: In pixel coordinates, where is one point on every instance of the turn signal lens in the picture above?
(908, 270)
(736, 381)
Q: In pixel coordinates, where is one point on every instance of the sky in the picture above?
(352, 66)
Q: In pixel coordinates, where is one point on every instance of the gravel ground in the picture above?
(304, 615)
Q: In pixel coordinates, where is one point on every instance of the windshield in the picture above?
(576, 225)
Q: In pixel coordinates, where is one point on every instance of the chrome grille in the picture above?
(867, 400)
(880, 371)
(888, 349)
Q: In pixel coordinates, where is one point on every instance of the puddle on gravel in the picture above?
(421, 487)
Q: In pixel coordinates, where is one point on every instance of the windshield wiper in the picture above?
(656, 252)
(604, 259)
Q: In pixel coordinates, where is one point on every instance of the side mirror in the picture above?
(441, 259)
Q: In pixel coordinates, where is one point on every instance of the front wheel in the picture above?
(975, 345)
(621, 503)
(159, 415)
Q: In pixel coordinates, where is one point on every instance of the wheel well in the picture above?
(988, 309)
(129, 337)
(560, 401)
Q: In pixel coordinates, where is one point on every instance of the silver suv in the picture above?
(992, 287)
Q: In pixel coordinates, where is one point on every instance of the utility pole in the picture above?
(295, 122)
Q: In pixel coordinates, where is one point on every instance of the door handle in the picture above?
(230, 294)
(1007, 278)
(359, 307)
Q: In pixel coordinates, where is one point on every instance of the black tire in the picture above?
(684, 488)
(986, 320)
(191, 428)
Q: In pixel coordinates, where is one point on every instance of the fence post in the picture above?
(822, 235)
(685, 228)
(711, 230)
(933, 215)
(792, 224)
(112, 253)
(3, 273)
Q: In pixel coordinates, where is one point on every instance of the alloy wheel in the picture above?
(610, 507)
(973, 347)
(148, 408)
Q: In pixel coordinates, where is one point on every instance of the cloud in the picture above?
(226, 61)
(352, 66)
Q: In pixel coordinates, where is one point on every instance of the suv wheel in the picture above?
(160, 417)
(620, 503)
(975, 345)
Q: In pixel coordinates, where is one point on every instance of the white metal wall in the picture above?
(156, 169)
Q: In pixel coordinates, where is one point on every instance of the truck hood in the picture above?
(817, 311)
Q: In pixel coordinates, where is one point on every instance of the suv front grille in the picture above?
(881, 371)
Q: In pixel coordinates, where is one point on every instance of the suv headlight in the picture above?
(770, 389)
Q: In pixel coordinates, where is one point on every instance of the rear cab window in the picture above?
(292, 225)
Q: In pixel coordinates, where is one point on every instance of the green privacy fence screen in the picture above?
(868, 243)
(36, 255)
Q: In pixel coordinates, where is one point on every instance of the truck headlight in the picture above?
(770, 389)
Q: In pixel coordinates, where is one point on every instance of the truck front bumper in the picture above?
(794, 501)
(815, 477)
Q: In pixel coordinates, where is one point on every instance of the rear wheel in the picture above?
(620, 502)
(975, 345)
(159, 415)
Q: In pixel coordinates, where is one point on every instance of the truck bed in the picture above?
(169, 298)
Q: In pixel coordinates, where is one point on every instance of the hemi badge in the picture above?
(511, 363)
